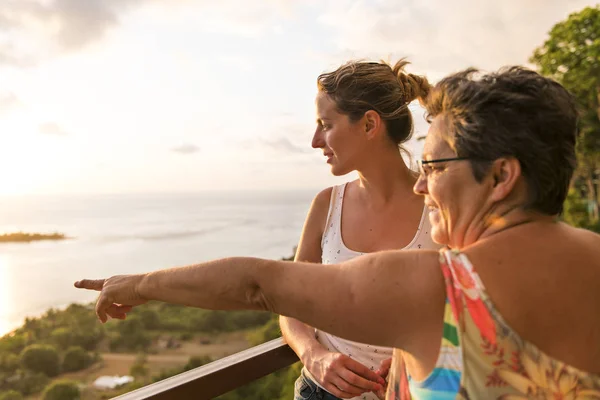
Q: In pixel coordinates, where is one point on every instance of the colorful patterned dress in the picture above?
(481, 357)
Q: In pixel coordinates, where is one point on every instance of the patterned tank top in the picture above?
(481, 357)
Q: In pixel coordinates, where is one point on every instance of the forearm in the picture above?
(300, 337)
(226, 284)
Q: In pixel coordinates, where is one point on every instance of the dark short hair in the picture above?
(358, 86)
(514, 112)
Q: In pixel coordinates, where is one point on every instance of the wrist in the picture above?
(143, 287)
(312, 352)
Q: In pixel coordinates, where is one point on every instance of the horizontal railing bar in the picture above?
(220, 376)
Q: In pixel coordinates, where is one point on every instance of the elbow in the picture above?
(257, 299)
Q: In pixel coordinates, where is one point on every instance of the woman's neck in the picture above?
(386, 176)
(504, 219)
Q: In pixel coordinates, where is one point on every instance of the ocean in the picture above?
(118, 234)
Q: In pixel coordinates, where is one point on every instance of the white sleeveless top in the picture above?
(335, 251)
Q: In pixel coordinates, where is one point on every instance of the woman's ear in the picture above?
(505, 173)
(372, 124)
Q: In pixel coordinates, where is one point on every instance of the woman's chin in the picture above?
(337, 171)
(438, 232)
(439, 237)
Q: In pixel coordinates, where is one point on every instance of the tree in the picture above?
(9, 363)
(76, 359)
(132, 335)
(13, 343)
(571, 56)
(41, 358)
(62, 390)
(149, 318)
(62, 337)
(27, 382)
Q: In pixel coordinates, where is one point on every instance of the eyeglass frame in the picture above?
(422, 162)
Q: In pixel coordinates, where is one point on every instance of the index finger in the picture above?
(90, 284)
(361, 370)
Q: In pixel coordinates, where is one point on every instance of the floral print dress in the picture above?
(481, 357)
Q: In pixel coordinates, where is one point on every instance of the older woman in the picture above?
(511, 312)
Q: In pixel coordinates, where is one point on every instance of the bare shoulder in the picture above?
(320, 207)
(585, 235)
(322, 199)
(309, 247)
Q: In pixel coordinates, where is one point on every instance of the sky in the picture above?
(119, 96)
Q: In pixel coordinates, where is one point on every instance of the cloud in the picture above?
(8, 102)
(35, 30)
(282, 144)
(186, 148)
(51, 128)
(442, 37)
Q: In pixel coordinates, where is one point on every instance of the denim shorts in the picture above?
(306, 389)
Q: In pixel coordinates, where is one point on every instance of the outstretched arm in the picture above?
(387, 296)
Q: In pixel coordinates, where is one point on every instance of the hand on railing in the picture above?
(342, 376)
(384, 371)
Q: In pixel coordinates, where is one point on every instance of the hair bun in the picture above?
(413, 86)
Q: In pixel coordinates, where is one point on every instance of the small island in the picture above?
(23, 237)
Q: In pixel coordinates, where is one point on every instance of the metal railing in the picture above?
(220, 376)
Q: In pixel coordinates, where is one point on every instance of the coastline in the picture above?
(26, 237)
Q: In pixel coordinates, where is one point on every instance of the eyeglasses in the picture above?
(424, 171)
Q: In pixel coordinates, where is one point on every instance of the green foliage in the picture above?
(12, 343)
(62, 337)
(11, 395)
(140, 367)
(9, 363)
(197, 361)
(62, 390)
(194, 362)
(76, 359)
(26, 382)
(150, 318)
(268, 331)
(41, 358)
(571, 56)
(577, 212)
(132, 335)
(77, 325)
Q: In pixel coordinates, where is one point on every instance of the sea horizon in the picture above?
(111, 234)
